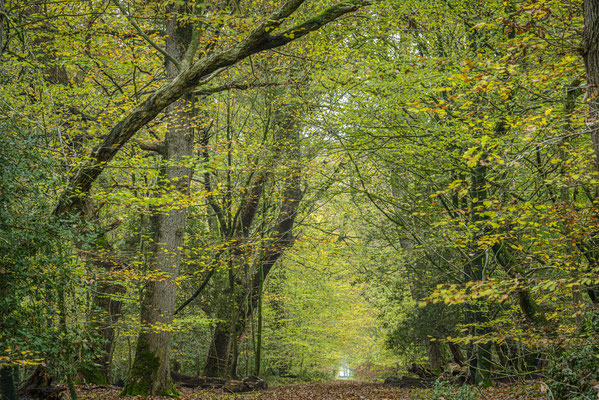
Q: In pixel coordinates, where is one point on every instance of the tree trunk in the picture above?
(39, 386)
(105, 313)
(283, 237)
(150, 373)
(1, 27)
(258, 350)
(480, 355)
(218, 354)
(104, 325)
(435, 357)
(456, 353)
(590, 53)
(222, 356)
(7, 383)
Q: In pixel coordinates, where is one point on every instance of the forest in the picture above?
(299, 199)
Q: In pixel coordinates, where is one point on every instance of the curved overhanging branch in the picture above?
(259, 39)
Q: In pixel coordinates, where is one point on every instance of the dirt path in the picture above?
(346, 390)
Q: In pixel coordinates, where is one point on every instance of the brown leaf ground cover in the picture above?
(345, 390)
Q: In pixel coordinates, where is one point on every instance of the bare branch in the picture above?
(146, 37)
(235, 85)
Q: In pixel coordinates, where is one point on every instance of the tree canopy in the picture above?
(220, 189)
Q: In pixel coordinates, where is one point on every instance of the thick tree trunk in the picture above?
(590, 52)
(150, 373)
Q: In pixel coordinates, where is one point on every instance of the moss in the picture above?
(143, 374)
(172, 392)
(92, 375)
(143, 371)
(142, 388)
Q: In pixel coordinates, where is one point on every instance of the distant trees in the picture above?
(490, 182)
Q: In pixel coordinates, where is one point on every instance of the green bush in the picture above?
(573, 373)
(443, 390)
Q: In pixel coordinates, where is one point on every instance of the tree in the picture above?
(150, 372)
(590, 53)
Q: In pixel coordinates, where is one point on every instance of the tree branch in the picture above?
(155, 147)
(146, 37)
(203, 285)
(259, 39)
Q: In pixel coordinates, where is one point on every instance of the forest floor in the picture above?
(344, 390)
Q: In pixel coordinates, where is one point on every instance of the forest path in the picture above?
(342, 390)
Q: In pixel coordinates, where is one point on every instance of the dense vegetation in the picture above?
(290, 188)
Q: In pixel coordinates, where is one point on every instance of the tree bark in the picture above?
(39, 385)
(150, 373)
(456, 353)
(590, 53)
(435, 357)
(1, 27)
(258, 350)
(217, 363)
